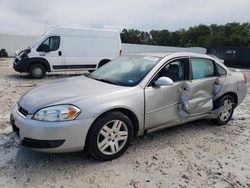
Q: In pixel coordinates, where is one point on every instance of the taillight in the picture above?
(245, 77)
(120, 53)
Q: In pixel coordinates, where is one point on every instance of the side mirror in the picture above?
(163, 81)
(43, 48)
(16, 53)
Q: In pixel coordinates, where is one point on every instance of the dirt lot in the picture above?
(196, 154)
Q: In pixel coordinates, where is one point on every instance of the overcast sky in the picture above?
(33, 17)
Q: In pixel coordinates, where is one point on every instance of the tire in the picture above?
(37, 71)
(226, 115)
(103, 140)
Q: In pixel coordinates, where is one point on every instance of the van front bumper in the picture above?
(52, 137)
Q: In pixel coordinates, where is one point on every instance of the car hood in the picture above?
(65, 91)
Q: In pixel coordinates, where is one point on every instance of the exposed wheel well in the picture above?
(129, 114)
(234, 95)
(103, 62)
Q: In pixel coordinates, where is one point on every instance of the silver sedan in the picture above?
(127, 97)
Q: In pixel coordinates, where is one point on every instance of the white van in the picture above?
(69, 49)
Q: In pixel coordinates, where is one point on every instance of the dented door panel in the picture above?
(161, 105)
(196, 97)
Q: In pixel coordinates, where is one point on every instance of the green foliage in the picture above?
(230, 34)
(3, 53)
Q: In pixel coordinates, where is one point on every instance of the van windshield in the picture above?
(126, 70)
(38, 41)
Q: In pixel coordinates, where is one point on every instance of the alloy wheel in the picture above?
(227, 110)
(112, 137)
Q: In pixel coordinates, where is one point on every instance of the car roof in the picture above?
(165, 54)
(154, 54)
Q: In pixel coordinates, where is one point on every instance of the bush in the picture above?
(3, 53)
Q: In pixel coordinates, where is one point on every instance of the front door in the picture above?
(54, 55)
(161, 103)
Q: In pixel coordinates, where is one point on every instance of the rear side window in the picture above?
(52, 42)
(202, 68)
(220, 70)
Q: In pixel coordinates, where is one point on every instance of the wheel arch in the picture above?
(131, 115)
(41, 61)
(232, 94)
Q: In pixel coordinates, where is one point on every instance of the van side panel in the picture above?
(86, 52)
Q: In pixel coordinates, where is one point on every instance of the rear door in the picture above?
(197, 94)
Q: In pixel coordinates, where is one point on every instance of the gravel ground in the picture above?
(196, 154)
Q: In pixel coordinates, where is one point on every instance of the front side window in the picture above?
(202, 68)
(52, 43)
(177, 70)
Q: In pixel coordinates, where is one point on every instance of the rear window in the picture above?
(220, 70)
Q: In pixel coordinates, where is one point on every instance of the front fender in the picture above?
(95, 107)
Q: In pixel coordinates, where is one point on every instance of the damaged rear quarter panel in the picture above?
(233, 83)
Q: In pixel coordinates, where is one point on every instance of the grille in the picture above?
(23, 111)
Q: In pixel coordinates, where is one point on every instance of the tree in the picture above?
(230, 34)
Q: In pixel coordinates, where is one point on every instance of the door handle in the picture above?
(59, 53)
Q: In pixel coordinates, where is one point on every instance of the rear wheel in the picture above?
(227, 104)
(37, 71)
(110, 136)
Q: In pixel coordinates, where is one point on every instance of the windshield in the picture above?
(125, 71)
(37, 41)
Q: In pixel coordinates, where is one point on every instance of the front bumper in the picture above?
(21, 65)
(54, 137)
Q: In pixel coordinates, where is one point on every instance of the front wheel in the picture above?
(37, 71)
(227, 104)
(110, 136)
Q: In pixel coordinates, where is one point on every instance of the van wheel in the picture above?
(226, 114)
(109, 137)
(103, 62)
(37, 71)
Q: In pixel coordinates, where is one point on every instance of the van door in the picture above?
(51, 50)
(197, 94)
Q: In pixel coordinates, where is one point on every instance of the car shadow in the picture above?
(25, 155)
(32, 164)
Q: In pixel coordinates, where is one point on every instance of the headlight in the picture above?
(57, 113)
